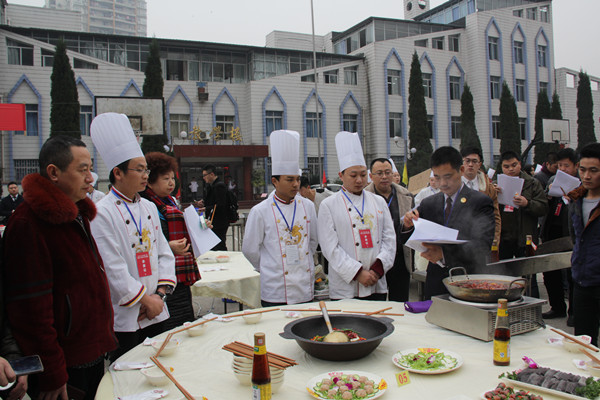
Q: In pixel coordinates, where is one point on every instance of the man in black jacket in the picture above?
(10, 202)
(215, 202)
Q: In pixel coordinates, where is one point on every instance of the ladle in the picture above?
(332, 336)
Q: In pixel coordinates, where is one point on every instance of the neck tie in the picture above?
(448, 209)
(472, 185)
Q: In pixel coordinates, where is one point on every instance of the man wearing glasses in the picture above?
(476, 179)
(139, 263)
(399, 202)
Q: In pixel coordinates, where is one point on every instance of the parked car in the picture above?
(334, 187)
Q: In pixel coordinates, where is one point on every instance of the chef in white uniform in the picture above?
(281, 232)
(140, 265)
(356, 231)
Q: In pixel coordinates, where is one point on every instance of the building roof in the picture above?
(451, 3)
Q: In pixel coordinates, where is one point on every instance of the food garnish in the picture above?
(347, 387)
(427, 360)
(503, 392)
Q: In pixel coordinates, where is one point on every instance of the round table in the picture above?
(203, 368)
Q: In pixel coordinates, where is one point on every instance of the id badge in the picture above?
(558, 208)
(143, 263)
(292, 254)
(508, 208)
(366, 242)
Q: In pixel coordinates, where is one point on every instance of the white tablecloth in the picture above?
(238, 281)
(205, 369)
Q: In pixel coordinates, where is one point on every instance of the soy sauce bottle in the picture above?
(261, 375)
(502, 335)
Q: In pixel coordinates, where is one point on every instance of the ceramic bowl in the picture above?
(573, 347)
(275, 373)
(169, 349)
(252, 318)
(222, 259)
(593, 367)
(155, 376)
(246, 379)
(196, 330)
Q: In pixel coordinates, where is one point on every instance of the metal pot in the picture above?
(371, 328)
(511, 293)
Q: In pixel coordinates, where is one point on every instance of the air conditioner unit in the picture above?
(202, 95)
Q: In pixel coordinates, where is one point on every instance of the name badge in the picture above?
(508, 208)
(366, 241)
(292, 254)
(143, 263)
(558, 208)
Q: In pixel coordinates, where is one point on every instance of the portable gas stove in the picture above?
(478, 320)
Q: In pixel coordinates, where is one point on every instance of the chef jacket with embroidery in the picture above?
(339, 227)
(265, 239)
(118, 241)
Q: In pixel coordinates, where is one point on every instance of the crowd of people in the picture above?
(88, 277)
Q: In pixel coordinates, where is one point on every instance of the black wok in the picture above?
(373, 329)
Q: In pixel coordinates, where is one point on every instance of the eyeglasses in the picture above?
(382, 173)
(470, 161)
(205, 175)
(140, 171)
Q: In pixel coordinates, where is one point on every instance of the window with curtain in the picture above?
(454, 83)
(393, 82)
(351, 75)
(494, 87)
(178, 123)
(518, 50)
(541, 56)
(85, 119)
(226, 123)
(520, 90)
(31, 121)
(311, 125)
(273, 121)
(455, 128)
(493, 48)
(350, 122)
(19, 53)
(395, 123)
(427, 85)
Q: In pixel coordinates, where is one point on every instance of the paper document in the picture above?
(202, 239)
(491, 173)
(510, 186)
(538, 168)
(431, 233)
(563, 184)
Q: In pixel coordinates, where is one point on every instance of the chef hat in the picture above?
(114, 138)
(285, 152)
(349, 150)
(95, 178)
(394, 169)
(369, 180)
(431, 175)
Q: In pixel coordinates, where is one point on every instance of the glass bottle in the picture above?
(530, 247)
(502, 335)
(261, 375)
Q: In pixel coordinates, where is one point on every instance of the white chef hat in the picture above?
(394, 169)
(95, 178)
(285, 152)
(369, 180)
(114, 138)
(349, 150)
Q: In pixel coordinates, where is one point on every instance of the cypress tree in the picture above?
(418, 132)
(542, 111)
(153, 87)
(585, 113)
(510, 138)
(468, 131)
(555, 108)
(64, 110)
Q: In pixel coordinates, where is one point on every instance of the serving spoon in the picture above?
(332, 336)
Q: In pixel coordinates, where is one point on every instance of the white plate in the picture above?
(379, 381)
(535, 388)
(443, 370)
(536, 392)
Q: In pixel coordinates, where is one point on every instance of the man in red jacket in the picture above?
(57, 296)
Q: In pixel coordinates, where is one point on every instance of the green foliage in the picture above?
(153, 87)
(555, 108)
(64, 110)
(542, 111)
(418, 133)
(585, 113)
(468, 131)
(510, 138)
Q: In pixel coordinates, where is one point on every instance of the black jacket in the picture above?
(216, 194)
(7, 205)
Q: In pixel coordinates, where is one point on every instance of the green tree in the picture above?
(64, 110)
(542, 111)
(585, 113)
(418, 133)
(510, 138)
(555, 108)
(468, 131)
(153, 87)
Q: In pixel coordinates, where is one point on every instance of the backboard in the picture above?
(145, 114)
(556, 130)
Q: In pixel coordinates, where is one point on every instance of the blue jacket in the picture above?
(585, 260)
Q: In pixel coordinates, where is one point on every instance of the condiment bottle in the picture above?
(502, 335)
(494, 254)
(261, 375)
(530, 247)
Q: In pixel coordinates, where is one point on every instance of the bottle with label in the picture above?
(530, 247)
(494, 254)
(261, 375)
(502, 335)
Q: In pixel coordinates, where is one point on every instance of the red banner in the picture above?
(12, 117)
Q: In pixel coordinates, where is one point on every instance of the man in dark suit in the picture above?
(458, 207)
(10, 202)
(215, 201)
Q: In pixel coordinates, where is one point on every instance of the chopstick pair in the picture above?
(249, 313)
(579, 342)
(187, 394)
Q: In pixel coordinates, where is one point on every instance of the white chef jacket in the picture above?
(118, 241)
(339, 225)
(265, 238)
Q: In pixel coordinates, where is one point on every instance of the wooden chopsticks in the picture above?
(308, 310)
(249, 313)
(247, 351)
(170, 335)
(187, 394)
(378, 311)
(579, 342)
(590, 355)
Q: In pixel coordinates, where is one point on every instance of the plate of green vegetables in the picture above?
(427, 360)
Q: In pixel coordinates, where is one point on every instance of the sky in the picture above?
(248, 22)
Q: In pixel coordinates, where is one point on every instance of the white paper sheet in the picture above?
(538, 168)
(491, 173)
(431, 233)
(202, 239)
(510, 186)
(565, 182)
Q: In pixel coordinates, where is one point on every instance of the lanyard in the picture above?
(363, 205)
(293, 216)
(391, 198)
(137, 227)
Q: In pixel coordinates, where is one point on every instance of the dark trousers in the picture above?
(128, 340)
(180, 307)
(586, 311)
(82, 383)
(433, 282)
(510, 249)
(398, 281)
(221, 232)
(374, 297)
(553, 280)
(269, 304)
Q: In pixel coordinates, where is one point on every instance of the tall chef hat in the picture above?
(285, 152)
(394, 169)
(95, 178)
(349, 150)
(114, 138)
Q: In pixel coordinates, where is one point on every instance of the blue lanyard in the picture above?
(293, 216)
(137, 227)
(363, 205)
(391, 198)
